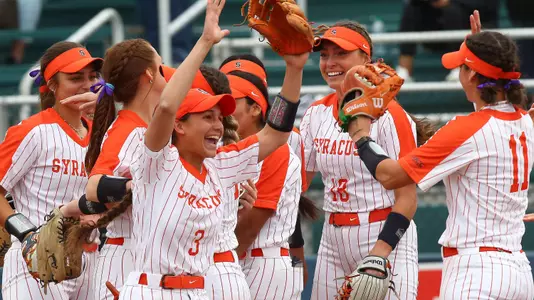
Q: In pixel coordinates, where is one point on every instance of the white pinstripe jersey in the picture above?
(485, 160)
(279, 185)
(120, 144)
(349, 187)
(42, 164)
(227, 240)
(177, 210)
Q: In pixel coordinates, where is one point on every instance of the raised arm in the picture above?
(284, 108)
(160, 129)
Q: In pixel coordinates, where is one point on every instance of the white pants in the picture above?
(113, 265)
(487, 275)
(133, 291)
(342, 248)
(18, 284)
(272, 278)
(226, 281)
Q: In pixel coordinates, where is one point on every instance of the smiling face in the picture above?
(199, 133)
(335, 62)
(69, 84)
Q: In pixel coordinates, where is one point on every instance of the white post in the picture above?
(164, 18)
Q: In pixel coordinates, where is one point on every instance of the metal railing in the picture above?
(103, 17)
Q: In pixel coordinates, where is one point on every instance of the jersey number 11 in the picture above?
(513, 146)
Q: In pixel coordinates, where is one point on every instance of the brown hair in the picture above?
(352, 25)
(48, 99)
(123, 65)
(500, 51)
(424, 129)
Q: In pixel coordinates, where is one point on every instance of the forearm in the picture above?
(245, 236)
(160, 129)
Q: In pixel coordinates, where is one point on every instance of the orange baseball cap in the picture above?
(198, 100)
(245, 66)
(199, 81)
(345, 38)
(242, 88)
(464, 56)
(71, 61)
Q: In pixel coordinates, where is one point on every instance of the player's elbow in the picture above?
(387, 181)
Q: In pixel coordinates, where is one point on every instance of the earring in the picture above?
(150, 81)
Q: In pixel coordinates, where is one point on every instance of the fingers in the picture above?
(474, 20)
(246, 204)
(528, 218)
(250, 189)
(85, 97)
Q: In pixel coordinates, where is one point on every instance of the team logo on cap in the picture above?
(238, 64)
(82, 53)
(203, 91)
(333, 31)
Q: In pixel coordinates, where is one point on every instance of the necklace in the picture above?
(79, 131)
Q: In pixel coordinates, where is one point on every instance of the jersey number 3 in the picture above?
(515, 159)
(198, 236)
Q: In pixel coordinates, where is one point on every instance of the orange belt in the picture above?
(227, 256)
(115, 241)
(257, 252)
(352, 219)
(448, 252)
(177, 282)
(90, 248)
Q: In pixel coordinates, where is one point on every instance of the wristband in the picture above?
(370, 153)
(111, 189)
(282, 114)
(19, 226)
(89, 207)
(394, 228)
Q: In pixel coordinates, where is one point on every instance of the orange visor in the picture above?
(245, 66)
(464, 56)
(71, 61)
(242, 88)
(198, 100)
(199, 81)
(345, 38)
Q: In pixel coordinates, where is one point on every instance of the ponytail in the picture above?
(103, 117)
(424, 128)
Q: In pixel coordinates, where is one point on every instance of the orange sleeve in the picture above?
(18, 152)
(272, 178)
(241, 145)
(450, 138)
(108, 159)
(404, 128)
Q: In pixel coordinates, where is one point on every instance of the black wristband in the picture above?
(19, 226)
(282, 114)
(111, 189)
(370, 153)
(296, 240)
(394, 228)
(89, 207)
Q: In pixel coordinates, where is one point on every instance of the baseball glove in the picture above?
(282, 23)
(367, 91)
(44, 253)
(363, 286)
(5, 243)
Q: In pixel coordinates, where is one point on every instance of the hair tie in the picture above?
(102, 85)
(38, 77)
(486, 84)
(510, 83)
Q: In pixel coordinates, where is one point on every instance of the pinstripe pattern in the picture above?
(114, 264)
(342, 248)
(139, 292)
(178, 212)
(18, 284)
(271, 278)
(226, 281)
(488, 275)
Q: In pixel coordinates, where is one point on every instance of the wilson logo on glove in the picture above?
(378, 102)
(351, 108)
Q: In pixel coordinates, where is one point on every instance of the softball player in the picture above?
(42, 166)
(485, 160)
(263, 232)
(356, 205)
(179, 187)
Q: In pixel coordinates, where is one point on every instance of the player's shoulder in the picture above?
(125, 125)
(35, 121)
(329, 100)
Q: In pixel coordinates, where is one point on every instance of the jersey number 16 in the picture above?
(515, 160)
